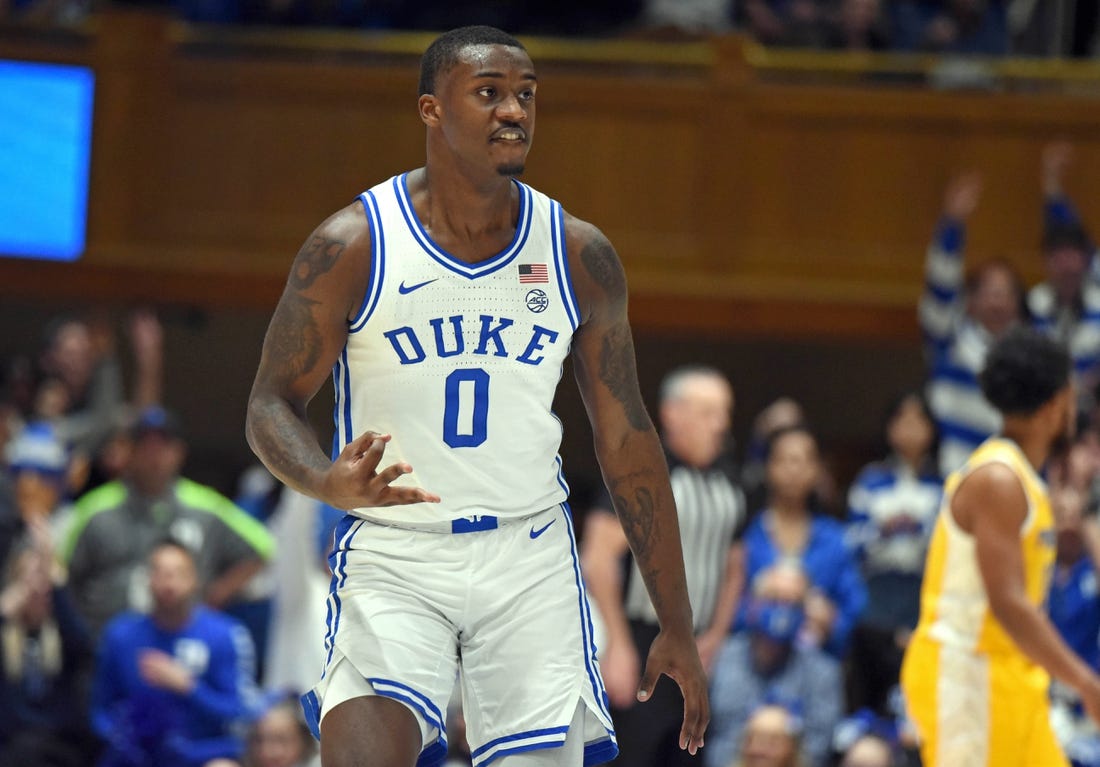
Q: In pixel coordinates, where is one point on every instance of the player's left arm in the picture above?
(991, 505)
(633, 466)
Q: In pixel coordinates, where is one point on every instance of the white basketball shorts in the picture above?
(503, 599)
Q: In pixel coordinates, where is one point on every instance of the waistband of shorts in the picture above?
(476, 523)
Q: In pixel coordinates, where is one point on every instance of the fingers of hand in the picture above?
(388, 475)
(696, 719)
(364, 442)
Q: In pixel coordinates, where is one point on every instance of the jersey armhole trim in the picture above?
(377, 262)
(1029, 518)
(561, 259)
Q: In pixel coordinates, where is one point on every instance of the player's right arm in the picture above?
(991, 504)
(307, 332)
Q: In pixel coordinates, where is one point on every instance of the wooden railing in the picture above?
(746, 189)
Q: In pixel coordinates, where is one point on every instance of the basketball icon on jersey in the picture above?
(537, 300)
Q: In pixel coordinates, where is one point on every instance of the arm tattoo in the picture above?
(639, 521)
(296, 342)
(601, 262)
(618, 370)
(314, 259)
(618, 373)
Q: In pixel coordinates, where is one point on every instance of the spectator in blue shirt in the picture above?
(171, 685)
(789, 529)
(768, 663)
(1074, 599)
(892, 506)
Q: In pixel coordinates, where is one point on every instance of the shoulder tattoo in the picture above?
(316, 258)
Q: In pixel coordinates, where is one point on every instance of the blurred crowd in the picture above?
(978, 27)
(147, 619)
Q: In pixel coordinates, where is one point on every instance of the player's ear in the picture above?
(429, 107)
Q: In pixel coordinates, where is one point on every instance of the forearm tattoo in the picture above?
(618, 370)
(638, 516)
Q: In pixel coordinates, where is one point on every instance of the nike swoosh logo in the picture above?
(536, 533)
(404, 289)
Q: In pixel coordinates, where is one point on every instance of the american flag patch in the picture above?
(533, 273)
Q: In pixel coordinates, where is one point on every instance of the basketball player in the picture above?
(976, 672)
(445, 301)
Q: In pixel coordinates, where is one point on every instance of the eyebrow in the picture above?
(495, 74)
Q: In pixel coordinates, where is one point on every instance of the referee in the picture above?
(696, 408)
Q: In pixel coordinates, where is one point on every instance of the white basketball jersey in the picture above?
(459, 362)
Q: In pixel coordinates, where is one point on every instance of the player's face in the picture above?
(487, 107)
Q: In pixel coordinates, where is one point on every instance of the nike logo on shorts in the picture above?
(404, 289)
(536, 533)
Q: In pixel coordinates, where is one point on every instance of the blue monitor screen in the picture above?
(45, 148)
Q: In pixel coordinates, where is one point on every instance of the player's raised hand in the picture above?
(677, 658)
(354, 479)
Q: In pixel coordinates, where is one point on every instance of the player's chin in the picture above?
(510, 169)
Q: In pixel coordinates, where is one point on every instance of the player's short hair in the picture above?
(445, 50)
(1024, 370)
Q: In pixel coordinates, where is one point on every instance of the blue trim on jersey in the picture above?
(600, 751)
(445, 259)
(413, 697)
(348, 435)
(561, 259)
(435, 752)
(341, 411)
(337, 433)
(377, 261)
(561, 471)
(311, 708)
(345, 531)
(587, 631)
(434, 755)
(551, 737)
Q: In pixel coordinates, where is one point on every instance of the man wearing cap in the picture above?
(38, 463)
(117, 524)
(766, 663)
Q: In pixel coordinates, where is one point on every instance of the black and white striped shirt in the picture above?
(713, 516)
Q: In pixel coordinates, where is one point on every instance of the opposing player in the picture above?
(976, 672)
(445, 300)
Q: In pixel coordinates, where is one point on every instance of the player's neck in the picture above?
(1033, 443)
(472, 219)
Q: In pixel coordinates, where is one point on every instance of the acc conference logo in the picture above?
(537, 300)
